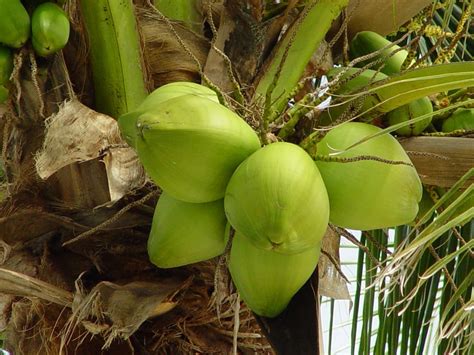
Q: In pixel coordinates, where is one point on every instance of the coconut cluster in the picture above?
(214, 174)
(48, 28)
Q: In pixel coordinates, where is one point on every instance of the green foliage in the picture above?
(421, 290)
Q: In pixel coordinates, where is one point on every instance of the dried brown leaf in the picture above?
(124, 171)
(77, 134)
(117, 311)
(331, 281)
(15, 283)
(28, 224)
(216, 68)
(167, 61)
(391, 14)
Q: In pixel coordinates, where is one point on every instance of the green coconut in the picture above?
(49, 29)
(3, 94)
(462, 118)
(14, 23)
(183, 233)
(414, 109)
(156, 99)
(368, 194)
(367, 42)
(6, 64)
(175, 89)
(267, 280)
(191, 146)
(277, 199)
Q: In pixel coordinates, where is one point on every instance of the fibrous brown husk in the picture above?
(117, 311)
(167, 60)
(76, 134)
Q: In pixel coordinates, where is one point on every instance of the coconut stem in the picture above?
(307, 104)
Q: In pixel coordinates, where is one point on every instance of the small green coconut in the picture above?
(3, 94)
(409, 111)
(278, 200)
(14, 23)
(367, 42)
(368, 194)
(462, 118)
(184, 233)
(267, 280)
(190, 146)
(49, 29)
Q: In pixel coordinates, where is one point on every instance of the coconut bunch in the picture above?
(189, 145)
(48, 28)
(388, 59)
(215, 175)
(212, 171)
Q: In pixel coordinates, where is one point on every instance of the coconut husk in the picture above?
(76, 134)
(167, 60)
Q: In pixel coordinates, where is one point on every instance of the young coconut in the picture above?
(414, 109)
(6, 64)
(191, 146)
(156, 99)
(462, 118)
(277, 199)
(368, 194)
(14, 23)
(267, 280)
(175, 89)
(367, 42)
(184, 233)
(3, 94)
(49, 29)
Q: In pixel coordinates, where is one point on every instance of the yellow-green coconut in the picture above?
(190, 146)
(278, 200)
(368, 194)
(184, 233)
(267, 280)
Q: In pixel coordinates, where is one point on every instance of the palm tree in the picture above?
(76, 206)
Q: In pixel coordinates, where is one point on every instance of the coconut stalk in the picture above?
(185, 11)
(115, 55)
(287, 64)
